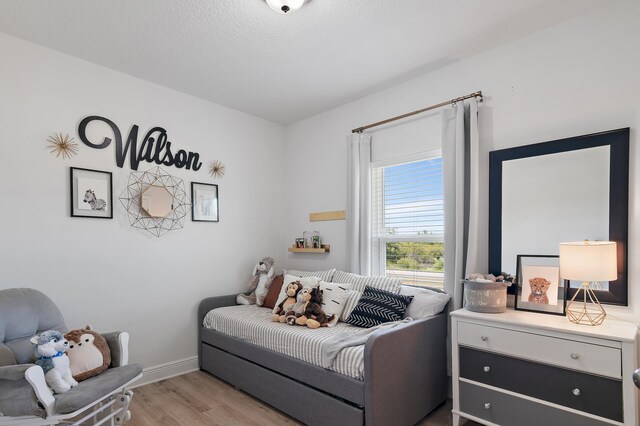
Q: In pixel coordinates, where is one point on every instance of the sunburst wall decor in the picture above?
(62, 145)
(217, 169)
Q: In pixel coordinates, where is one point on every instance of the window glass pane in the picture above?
(417, 263)
(413, 199)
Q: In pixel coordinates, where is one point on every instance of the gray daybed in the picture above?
(405, 374)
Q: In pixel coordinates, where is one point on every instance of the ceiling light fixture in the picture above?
(285, 6)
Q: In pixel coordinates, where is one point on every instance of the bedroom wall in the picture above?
(104, 272)
(576, 78)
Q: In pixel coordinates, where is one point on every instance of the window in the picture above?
(408, 220)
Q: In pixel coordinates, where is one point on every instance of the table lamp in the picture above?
(587, 261)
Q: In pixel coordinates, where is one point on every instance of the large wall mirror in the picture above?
(564, 190)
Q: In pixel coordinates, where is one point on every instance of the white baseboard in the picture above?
(166, 371)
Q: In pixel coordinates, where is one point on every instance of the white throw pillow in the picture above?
(288, 279)
(334, 296)
(426, 303)
(353, 296)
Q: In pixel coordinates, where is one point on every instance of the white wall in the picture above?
(576, 78)
(104, 272)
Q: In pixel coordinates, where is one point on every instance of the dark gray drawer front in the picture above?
(509, 410)
(597, 395)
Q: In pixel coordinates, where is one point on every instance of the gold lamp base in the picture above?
(587, 312)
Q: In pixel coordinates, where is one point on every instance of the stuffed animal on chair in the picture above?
(262, 277)
(89, 353)
(49, 349)
(313, 315)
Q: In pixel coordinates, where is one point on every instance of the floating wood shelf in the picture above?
(324, 248)
(335, 215)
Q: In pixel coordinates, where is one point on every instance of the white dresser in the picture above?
(521, 368)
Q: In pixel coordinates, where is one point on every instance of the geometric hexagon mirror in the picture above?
(157, 201)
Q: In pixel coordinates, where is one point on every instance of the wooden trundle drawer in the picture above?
(505, 409)
(596, 395)
(601, 359)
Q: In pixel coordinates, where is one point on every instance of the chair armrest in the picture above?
(21, 387)
(118, 342)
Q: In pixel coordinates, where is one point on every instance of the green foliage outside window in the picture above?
(415, 256)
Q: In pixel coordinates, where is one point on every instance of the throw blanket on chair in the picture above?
(333, 345)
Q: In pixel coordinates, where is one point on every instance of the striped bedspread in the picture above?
(253, 324)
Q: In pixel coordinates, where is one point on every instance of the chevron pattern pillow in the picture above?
(378, 306)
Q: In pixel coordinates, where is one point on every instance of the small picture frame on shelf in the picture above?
(299, 243)
(309, 236)
(91, 193)
(205, 202)
(316, 241)
(539, 286)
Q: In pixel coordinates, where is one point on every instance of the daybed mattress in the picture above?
(253, 324)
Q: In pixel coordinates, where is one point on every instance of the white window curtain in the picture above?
(460, 175)
(359, 204)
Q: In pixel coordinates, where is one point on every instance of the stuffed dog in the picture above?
(49, 349)
(262, 277)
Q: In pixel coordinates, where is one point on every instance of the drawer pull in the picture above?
(486, 368)
(575, 356)
(484, 338)
(576, 392)
(487, 406)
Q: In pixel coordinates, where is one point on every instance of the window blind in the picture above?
(408, 221)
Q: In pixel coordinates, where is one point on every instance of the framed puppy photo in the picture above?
(91, 193)
(539, 286)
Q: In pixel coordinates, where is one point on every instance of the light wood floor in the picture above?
(198, 398)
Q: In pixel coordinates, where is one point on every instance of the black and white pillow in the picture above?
(334, 296)
(378, 306)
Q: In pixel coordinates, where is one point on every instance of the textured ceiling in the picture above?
(284, 68)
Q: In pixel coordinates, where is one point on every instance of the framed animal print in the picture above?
(204, 199)
(91, 193)
(539, 286)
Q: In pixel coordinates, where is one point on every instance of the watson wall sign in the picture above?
(154, 148)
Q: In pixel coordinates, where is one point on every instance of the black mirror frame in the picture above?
(618, 141)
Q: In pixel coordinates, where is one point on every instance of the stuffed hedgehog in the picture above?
(263, 274)
(49, 348)
(89, 353)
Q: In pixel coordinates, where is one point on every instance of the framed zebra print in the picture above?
(91, 193)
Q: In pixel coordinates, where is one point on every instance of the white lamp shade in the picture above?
(285, 6)
(589, 261)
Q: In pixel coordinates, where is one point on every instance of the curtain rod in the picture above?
(453, 101)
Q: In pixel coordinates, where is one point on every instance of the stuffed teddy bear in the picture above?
(89, 353)
(313, 315)
(263, 274)
(49, 349)
(291, 291)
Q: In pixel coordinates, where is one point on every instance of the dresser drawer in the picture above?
(504, 409)
(580, 356)
(596, 395)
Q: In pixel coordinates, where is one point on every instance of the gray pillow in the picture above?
(359, 282)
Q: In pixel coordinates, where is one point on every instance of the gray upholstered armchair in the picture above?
(25, 398)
